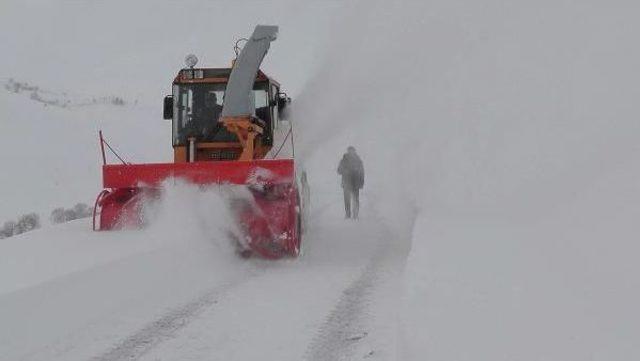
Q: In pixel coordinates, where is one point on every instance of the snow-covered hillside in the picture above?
(500, 142)
(51, 155)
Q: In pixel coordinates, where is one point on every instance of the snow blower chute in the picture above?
(229, 127)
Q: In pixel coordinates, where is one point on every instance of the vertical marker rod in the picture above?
(104, 157)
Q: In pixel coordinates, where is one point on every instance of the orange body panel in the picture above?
(208, 151)
(246, 131)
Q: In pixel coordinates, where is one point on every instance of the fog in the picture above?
(498, 108)
(509, 132)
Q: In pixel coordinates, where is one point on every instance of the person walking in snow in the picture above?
(352, 171)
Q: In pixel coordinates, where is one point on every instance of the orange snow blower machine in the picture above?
(229, 128)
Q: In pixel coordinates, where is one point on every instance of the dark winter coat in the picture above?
(352, 171)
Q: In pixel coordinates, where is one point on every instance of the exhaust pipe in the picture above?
(192, 150)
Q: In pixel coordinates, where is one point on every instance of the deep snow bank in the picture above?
(185, 218)
(560, 286)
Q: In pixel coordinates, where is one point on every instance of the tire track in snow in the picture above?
(138, 344)
(344, 327)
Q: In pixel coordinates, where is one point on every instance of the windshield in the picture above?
(197, 108)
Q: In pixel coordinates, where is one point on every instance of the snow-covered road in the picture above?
(147, 295)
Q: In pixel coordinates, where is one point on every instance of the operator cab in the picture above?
(196, 105)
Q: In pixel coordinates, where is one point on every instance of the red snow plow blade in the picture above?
(230, 172)
(269, 222)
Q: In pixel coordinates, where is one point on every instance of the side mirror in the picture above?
(283, 100)
(168, 107)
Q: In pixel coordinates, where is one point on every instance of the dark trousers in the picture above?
(351, 202)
